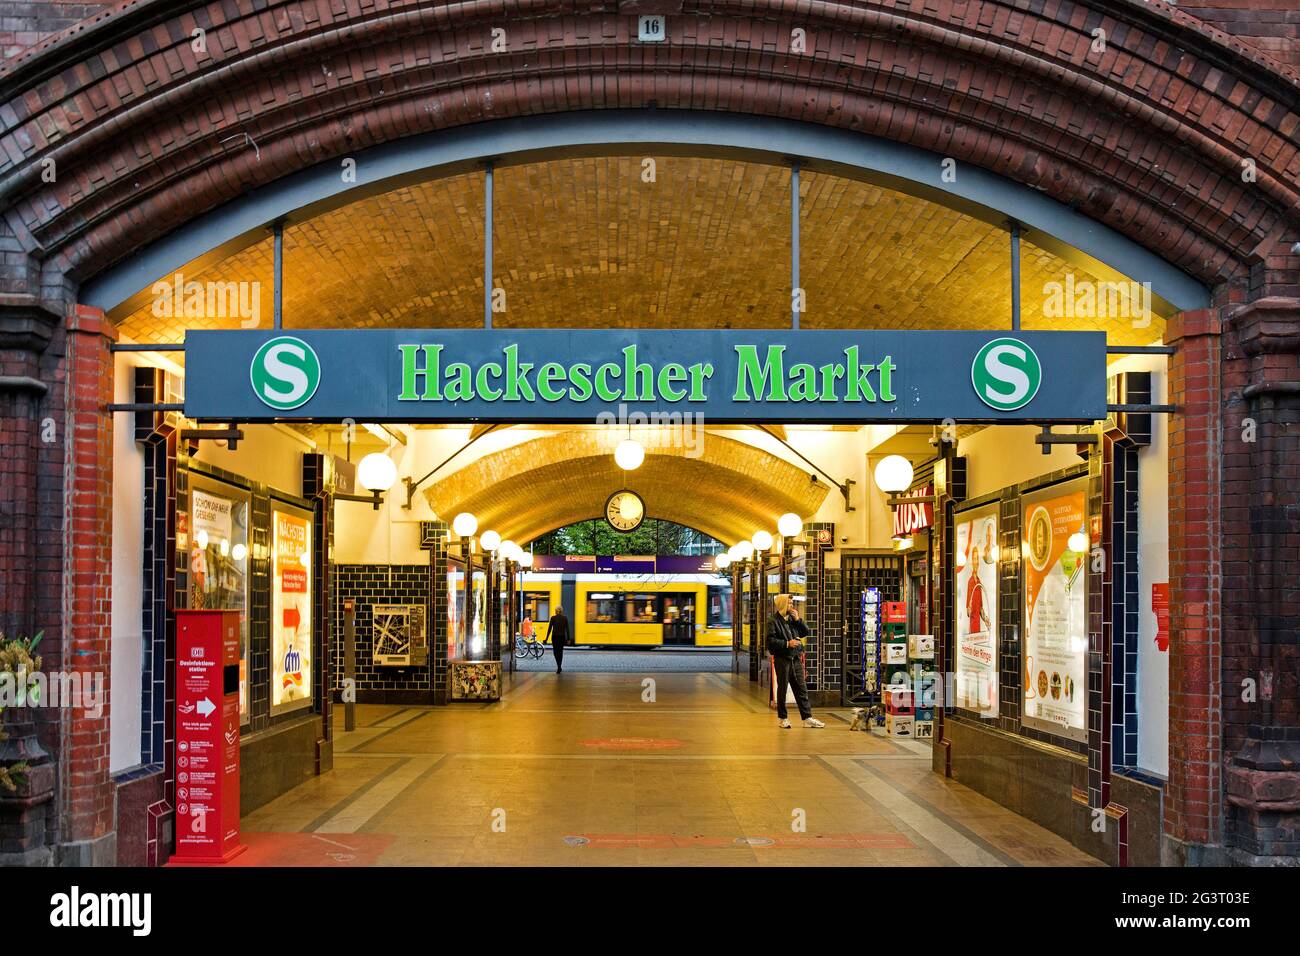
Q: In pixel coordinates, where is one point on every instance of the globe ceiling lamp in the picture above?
(893, 474)
(790, 525)
(376, 473)
(629, 454)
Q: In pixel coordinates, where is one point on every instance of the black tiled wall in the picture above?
(369, 585)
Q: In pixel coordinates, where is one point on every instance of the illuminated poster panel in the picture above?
(1054, 552)
(976, 609)
(291, 609)
(455, 607)
(215, 534)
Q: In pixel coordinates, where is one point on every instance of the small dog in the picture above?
(863, 717)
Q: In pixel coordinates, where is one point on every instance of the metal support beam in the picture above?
(1015, 276)
(411, 486)
(1144, 409)
(843, 486)
(487, 246)
(1047, 439)
(1140, 350)
(278, 290)
(232, 436)
(145, 347)
(147, 407)
(794, 245)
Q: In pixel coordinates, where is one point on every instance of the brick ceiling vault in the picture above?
(729, 490)
(584, 242)
(1147, 137)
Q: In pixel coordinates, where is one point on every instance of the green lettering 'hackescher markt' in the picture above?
(759, 377)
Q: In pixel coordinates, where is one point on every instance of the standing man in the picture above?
(557, 632)
(785, 636)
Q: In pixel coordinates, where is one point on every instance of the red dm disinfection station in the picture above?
(207, 737)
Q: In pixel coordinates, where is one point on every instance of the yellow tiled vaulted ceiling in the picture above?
(589, 243)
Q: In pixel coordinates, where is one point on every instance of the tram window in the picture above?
(679, 608)
(719, 606)
(536, 606)
(640, 608)
(602, 609)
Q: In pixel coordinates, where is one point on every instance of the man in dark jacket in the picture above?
(557, 632)
(785, 636)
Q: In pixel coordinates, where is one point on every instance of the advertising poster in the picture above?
(1054, 547)
(455, 605)
(976, 610)
(215, 535)
(291, 620)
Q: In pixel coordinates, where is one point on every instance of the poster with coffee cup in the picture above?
(1054, 547)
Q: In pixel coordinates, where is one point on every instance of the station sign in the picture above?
(580, 375)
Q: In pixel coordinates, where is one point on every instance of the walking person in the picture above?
(785, 636)
(557, 632)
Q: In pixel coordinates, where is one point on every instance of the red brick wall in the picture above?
(1193, 808)
(1271, 26)
(23, 25)
(87, 797)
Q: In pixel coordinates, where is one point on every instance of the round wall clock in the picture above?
(624, 511)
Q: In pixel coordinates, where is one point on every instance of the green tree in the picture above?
(595, 536)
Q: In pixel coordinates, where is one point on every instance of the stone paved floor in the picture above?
(579, 659)
(578, 770)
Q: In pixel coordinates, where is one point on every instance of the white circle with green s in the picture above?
(1006, 374)
(285, 373)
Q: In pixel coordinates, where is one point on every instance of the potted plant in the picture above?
(18, 666)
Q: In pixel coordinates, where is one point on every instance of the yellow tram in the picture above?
(632, 610)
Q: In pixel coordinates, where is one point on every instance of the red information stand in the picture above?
(207, 737)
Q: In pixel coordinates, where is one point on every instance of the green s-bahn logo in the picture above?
(285, 373)
(1006, 374)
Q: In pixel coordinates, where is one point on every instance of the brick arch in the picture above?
(729, 491)
(1147, 137)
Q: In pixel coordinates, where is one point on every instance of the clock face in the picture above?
(625, 511)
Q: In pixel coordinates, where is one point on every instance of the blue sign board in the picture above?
(625, 564)
(578, 375)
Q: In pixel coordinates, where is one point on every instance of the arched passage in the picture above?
(1168, 134)
(725, 488)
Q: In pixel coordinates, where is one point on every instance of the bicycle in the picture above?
(530, 647)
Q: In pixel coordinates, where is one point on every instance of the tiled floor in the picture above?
(581, 660)
(585, 769)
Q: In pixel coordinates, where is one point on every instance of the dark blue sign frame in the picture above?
(563, 375)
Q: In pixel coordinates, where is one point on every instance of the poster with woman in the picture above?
(1054, 548)
(977, 610)
(291, 621)
(215, 534)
